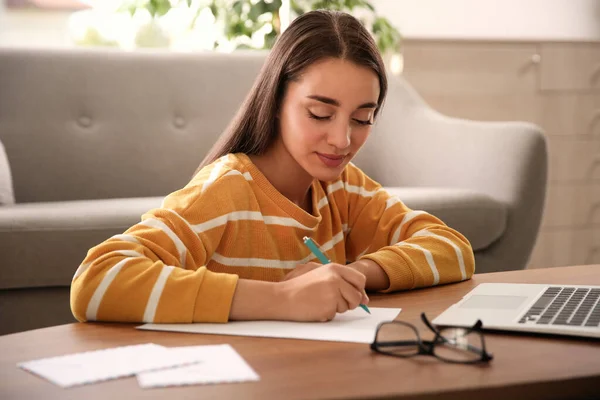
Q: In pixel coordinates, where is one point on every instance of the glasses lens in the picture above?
(397, 339)
(460, 345)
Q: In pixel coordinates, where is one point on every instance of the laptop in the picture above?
(548, 309)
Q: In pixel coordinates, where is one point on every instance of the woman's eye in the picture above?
(318, 117)
(361, 122)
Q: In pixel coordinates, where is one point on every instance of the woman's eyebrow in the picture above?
(334, 102)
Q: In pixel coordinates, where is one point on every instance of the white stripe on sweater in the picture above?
(214, 173)
(246, 175)
(271, 263)
(428, 257)
(185, 221)
(335, 186)
(407, 217)
(125, 238)
(157, 290)
(258, 262)
(80, 270)
(352, 189)
(91, 313)
(391, 201)
(127, 253)
(338, 237)
(156, 224)
(459, 255)
(322, 203)
(247, 216)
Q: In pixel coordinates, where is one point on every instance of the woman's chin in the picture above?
(327, 174)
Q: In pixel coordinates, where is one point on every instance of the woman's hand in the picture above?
(318, 292)
(301, 269)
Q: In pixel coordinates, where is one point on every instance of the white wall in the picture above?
(452, 19)
(33, 27)
(495, 19)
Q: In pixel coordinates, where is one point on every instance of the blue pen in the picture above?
(317, 252)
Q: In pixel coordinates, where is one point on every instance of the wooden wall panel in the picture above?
(554, 85)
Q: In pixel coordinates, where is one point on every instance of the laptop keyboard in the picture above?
(565, 306)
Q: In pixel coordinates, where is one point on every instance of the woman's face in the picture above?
(326, 115)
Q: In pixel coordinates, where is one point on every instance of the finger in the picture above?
(365, 298)
(352, 296)
(307, 267)
(342, 305)
(352, 276)
(288, 276)
(291, 275)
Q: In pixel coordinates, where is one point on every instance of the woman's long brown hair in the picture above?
(309, 38)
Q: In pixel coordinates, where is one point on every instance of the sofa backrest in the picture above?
(91, 124)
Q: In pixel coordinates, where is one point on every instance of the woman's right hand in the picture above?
(319, 294)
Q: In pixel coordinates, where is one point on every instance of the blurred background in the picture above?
(116, 22)
(493, 60)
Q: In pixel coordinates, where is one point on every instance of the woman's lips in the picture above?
(331, 160)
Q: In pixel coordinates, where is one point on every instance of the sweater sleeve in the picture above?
(155, 272)
(414, 248)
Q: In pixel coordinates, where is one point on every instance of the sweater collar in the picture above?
(310, 220)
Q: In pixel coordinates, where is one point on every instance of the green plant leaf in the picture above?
(237, 7)
(162, 7)
(297, 8)
(235, 14)
(130, 8)
(256, 10)
(214, 9)
(270, 39)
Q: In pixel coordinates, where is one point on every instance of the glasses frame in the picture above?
(427, 347)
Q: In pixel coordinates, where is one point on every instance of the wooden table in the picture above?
(524, 366)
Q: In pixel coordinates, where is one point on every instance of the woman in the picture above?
(229, 245)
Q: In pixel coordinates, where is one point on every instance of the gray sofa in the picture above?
(93, 139)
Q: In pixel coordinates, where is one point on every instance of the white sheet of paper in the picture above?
(100, 365)
(353, 326)
(218, 364)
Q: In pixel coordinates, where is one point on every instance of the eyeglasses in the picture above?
(455, 345)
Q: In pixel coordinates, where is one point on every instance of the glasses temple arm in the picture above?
(429, 325)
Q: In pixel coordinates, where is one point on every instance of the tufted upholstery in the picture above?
(96, 138)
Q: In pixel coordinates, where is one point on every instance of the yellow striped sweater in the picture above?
(181, 263)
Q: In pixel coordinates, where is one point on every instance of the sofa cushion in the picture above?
(6, 186)
(42, 244)
(477, 216)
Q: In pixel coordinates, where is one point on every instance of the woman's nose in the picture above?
(339, 136)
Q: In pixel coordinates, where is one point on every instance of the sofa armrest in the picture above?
(42, 244)
(413, 145)
(6, 186)
(506, 160)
